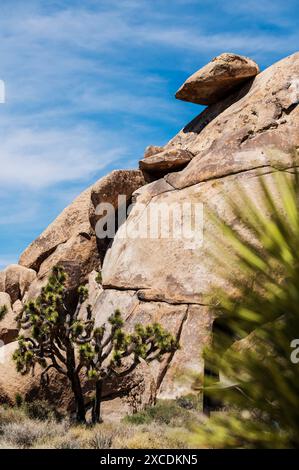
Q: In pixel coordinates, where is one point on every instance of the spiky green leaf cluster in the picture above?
(258, 317)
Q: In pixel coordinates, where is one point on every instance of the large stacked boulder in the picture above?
(250, 126)
(217, 79)
(232, 142)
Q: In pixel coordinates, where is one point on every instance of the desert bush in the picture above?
(25, 434)
(19, 400)
(9, 414)
(41, 410)
(167, 412)
(154, 436)
(17, 430)
(102, 439)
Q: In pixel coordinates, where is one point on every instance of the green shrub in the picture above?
(41, 410)
(174, 412)
(19, 400)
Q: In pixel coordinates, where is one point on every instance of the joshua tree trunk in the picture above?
(79, 399)
(76, 384)
(96, 409)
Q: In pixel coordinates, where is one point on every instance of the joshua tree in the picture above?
(57, 337)
(117, 353)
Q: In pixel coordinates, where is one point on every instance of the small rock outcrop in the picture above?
(8, 325)
(166, 161)
(217, 79)
(15, 280)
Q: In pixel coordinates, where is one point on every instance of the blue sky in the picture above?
(90, 84)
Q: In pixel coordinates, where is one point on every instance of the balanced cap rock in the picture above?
(217, 79)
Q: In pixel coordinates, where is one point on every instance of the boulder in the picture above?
(249, 133)
(8, 325)
(166, 161)
(80, 249)
(18, 307)
(111, 300)
(172, 318)
(107, 190)
(29, 386)
(74, 220)
(94, 291)
(217, 79)
(71, 240)
(175, 264)
(15, 280)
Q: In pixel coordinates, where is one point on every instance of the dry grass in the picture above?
(165, 426)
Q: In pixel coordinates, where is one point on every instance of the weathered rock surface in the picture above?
(107, 190)
(15, 280)
(233, 142)
(17, 307)
(187, 364)
(217, 79)
(71, 240)
(28, 386)
(171, 317)
(74, 220)
(8, 325)
(80, 249)
(176, 269)
(94, 291)
(166, 161)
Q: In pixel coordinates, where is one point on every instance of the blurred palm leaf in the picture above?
(257, 318)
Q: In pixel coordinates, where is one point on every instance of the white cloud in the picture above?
(40, 158)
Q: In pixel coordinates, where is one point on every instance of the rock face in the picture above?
(159, 266)
(71, 239)
(217, 79)
(107, 190)
(74, 220)
(238, 134)
(232, 142)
